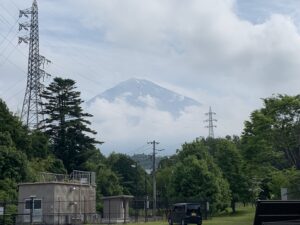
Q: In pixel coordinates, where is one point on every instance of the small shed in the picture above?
(116, 209)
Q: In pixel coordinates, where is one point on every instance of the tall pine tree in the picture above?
(66, 125)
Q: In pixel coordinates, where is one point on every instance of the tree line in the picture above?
(223, 171)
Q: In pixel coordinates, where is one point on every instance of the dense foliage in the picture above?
(22, 154)
(207, 170)
(270, 145)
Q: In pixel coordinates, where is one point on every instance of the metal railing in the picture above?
(79, 177)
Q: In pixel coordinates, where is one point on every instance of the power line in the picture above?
(8, 13)
(14, 4)
(77, 61)
(14, 85)
(9, 43)
(78, 74)
(82, 55)
(12, 16)
(19, 92)
(141, 148)
(7, 57)
(87, 67)
(143, 152)
(10, 30)
(4, 19)
(16, 66)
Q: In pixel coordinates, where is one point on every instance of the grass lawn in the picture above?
(244, 216)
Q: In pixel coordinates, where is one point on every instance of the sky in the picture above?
(227, 54)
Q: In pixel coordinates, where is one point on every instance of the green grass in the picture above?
(244, 216)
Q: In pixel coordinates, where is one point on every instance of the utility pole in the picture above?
(210, 121)
(135, 165)
(32, 100)
(146, 198)
(153, 143)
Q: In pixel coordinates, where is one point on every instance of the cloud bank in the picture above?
(120, 124)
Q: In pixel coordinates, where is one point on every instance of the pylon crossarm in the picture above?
(25, 12)
(24, 26)
(24, 39)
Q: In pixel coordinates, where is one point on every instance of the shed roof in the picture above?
(117, 196)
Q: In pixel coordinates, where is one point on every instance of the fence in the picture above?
(37, 211)
(142, 209)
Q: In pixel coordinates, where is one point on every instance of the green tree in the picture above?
(287, 178)
(270, 143)
(164, 177)
(164, 182)
(230, 160)
(11, 125)
(23, 154)
(201, 179)
(38, 145)
(108, 184)
(107, 181)
(272, 136)
(132, 178)
(65, 124)
(13, 167)
(8, 190)
(13, 163)
(196, 175)
(50, 164)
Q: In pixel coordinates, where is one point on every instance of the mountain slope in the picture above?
(144, 93)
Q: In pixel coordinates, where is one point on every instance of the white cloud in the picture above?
(120, 123)
(148, 101)
(204, 35)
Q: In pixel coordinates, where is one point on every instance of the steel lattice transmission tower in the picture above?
(210, 121)
(31, 105)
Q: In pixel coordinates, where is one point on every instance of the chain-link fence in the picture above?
(142, 209)
(37, 211)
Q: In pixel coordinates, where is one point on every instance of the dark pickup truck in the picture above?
(277, 213)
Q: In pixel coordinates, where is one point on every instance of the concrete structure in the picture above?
(58, 201)
(116, 209)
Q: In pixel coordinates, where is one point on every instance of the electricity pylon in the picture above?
(32, 100)
(210, 121)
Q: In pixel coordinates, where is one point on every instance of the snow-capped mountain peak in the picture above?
(144, 93)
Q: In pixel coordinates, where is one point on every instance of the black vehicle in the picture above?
(185, 213)
(277, 212)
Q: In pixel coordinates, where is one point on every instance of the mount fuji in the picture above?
(143, 93)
